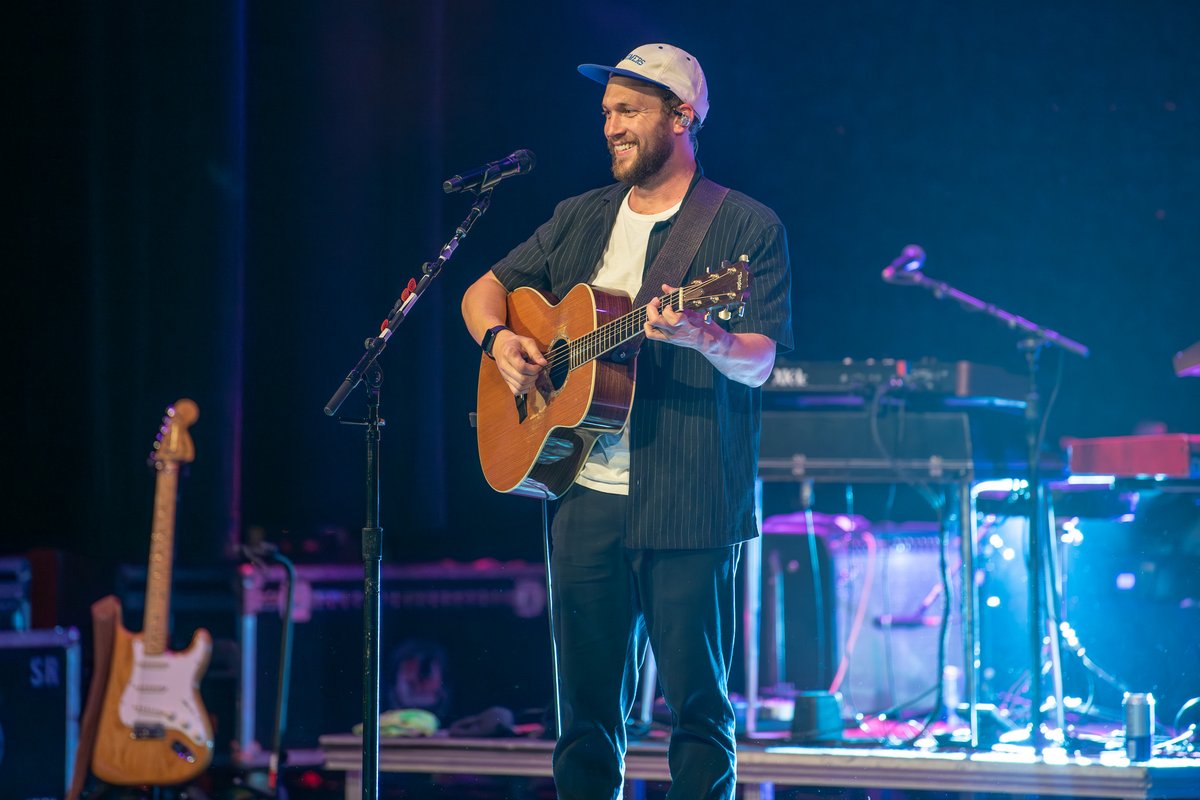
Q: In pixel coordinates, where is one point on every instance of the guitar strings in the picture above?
(596, 343)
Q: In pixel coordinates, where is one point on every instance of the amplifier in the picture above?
(894, 445)
(859, 446)
(881, 588)
(39, 712)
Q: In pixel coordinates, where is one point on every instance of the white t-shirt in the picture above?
(621, 268)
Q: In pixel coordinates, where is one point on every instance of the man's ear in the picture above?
(685, 115)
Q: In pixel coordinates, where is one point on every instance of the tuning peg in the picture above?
(708, 270)
(741, 309)
(708, 317)
(725, 314)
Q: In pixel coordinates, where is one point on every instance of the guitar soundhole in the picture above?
(560, 363)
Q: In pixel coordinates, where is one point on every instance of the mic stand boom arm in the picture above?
(1037, 338)
(408, 299)
(367, 369)
(942, 290)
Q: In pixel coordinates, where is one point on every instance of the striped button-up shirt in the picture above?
(693, 432)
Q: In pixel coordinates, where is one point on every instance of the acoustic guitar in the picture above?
(536, 444)
(153, 729)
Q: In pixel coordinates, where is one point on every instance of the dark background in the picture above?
(221, 201)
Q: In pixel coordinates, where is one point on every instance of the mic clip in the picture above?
(906, 267)
(481, 179)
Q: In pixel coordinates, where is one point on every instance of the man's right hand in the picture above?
(519, 361)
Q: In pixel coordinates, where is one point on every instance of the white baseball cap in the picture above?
(662, 65)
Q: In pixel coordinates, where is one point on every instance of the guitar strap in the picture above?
(683, 242)
(106, 615)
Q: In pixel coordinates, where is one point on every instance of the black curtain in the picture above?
(222, 201)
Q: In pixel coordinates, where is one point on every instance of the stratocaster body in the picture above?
(153, 729)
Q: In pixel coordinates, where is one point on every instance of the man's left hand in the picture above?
(744, 357)
(685, 328)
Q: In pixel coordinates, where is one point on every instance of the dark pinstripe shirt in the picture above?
(693, 432)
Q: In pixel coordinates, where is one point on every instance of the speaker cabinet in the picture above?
(871, 620)
(39, 712)
(890, 604)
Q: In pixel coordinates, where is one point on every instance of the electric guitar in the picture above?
(536, 444)
(153, 729)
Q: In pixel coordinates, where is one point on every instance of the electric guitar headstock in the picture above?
(724, 291)
(173, 444)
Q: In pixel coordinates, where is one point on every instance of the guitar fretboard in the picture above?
(611, 335)
(718, 289)
(162, 553)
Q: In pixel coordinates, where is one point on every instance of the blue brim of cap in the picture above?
(600, 74)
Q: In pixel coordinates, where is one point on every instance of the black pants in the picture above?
(608, 601)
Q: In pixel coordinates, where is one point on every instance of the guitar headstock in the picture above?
(173, 444)
(725, 290)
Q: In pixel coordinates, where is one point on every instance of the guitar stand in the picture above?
(245, 791)
(104, 791)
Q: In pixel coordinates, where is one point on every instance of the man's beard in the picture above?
(652, 155)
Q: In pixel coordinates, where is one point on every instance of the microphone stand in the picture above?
(1031, 345)
(368, 371)
(258, 555)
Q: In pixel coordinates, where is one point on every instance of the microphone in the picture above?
(902, 270)
(487, 176)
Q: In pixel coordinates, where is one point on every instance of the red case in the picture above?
(1171, 455)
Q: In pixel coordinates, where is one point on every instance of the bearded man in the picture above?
(646, 542)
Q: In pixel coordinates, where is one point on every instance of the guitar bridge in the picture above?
(149, 731)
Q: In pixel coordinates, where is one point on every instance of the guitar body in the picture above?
(537, 445)
(153, 729)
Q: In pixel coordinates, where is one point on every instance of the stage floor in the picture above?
(763, 767)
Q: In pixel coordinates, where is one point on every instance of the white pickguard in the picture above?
(161, 692)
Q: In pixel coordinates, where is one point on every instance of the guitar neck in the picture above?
(611, 335)
(728, 286)
(162, 554)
